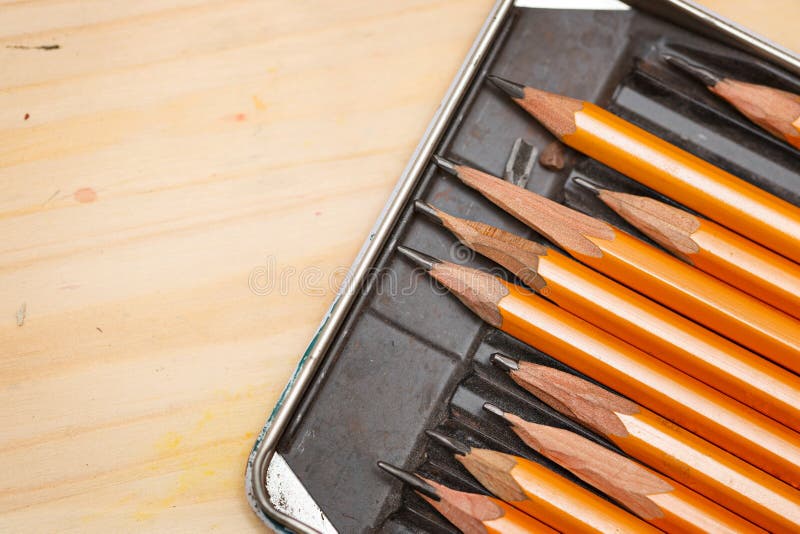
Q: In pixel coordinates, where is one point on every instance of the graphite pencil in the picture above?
(661, 444)
(662, 502)
(666, 335)
(535, 489)
(646, 269)
(776, 111)
(472, 513)
(711, 248)
(677, 174)
(609, 360)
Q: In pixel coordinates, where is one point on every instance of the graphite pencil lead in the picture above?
(417, 483)
(446, 165)
(492, 408)
(421, 259)
(586, 184)
(704, 75)
(450, 443)
(427, 210)
(504, 362)
(512, 89)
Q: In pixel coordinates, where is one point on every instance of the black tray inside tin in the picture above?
(406, 361)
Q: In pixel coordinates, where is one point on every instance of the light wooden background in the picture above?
(148, 167)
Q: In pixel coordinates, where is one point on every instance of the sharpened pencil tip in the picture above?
(427, 210)
(492, 408)
(504, 362)
(423, 260)
(705, 76)
(512, 89)
(411, 479)
(586, 184)
(450, 443)
(446, 165)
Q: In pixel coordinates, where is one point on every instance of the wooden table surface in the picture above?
(159, 163)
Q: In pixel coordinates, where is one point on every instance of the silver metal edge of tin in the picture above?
(266, 443)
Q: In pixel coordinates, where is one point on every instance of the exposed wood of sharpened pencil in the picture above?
(713, 249)
(719, 195)
(662, 445)
(471, 513)
(641, 322)
(662, 388)
(665, 503)
(776, 111)
(648, 270)
(536, 490)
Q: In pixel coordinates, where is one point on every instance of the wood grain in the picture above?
(151, 165)
(167, 153)
(765, 18)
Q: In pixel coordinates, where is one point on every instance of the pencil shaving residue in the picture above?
(85, 195)
(23, 308)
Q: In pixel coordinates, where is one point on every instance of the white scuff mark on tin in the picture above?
(289, 496)
(598, 5)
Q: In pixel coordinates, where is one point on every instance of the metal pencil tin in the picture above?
(389, 362)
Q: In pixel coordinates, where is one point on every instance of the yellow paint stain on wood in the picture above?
(258, 103)
(202, 464)
(169, 442)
